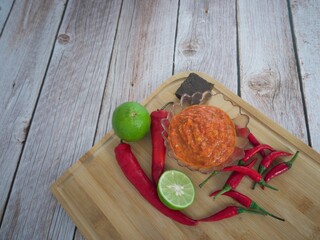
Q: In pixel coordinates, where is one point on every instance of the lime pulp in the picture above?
(175, 190)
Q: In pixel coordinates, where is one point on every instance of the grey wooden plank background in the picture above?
(23, 63)
(306, 28)
(65, 65)
(5, 8)
(268, 71)
(202, 45)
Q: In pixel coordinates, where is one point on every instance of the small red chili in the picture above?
(266, 161)
(233, 181)
(280, 168)
(158, 147)
(254, 141)
(242, 132)
(240, 163)
(252, 151)
(253, 174)
(135, 174)
(245, 201)
(227, 213)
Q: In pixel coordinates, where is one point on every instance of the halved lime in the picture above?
(175, 190)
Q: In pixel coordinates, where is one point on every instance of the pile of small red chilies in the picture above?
(148, 188)
(244, 168)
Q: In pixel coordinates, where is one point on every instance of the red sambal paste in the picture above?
(202, 136)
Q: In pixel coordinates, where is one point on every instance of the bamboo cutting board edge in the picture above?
(247, 107)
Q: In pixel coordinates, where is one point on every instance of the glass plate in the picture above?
(217, 100)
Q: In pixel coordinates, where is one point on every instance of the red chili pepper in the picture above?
(158, 147)
(280, 168)
(266, 162)
(254, 141)
(227, 213)
(253, 174)
(252, 151)
(135, 174)
(245, 201)
(242, 132)
(248, 154)
(240, 163)
(233, 181)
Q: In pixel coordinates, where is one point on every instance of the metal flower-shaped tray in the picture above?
(217, 100)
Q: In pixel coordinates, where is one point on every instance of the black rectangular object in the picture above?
(193, 83)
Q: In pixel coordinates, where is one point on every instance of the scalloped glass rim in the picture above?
(218, 100)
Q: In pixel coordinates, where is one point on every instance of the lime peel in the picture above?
(131, 121)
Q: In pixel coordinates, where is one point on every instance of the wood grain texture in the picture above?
(24, 56)
(74, 82)
(64, 122)
(306, 15)
(5, 8)
(99, 198)
(206, 40)
(268, 71)
(142, 55)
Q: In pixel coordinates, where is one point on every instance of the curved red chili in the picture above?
(240, 163)
(233, 181)
(135, 174)
(266, 161)
(252, 151)
(254, 141)
(227, 213)
(280, 168)
(242, 132)
(158, 147)
(245, 201)
(253, 174)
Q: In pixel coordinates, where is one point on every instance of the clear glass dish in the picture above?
(217, 100)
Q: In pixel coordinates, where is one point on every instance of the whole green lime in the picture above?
(131, 121)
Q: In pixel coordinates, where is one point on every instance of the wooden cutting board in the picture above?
(104, 205)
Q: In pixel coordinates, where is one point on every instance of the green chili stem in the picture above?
(291, 161)
(254, 205)
(263, 183)
(207, 179)
(254, 185)
(164, 106)
(225, 189)
(261, 171)
(244, 210)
